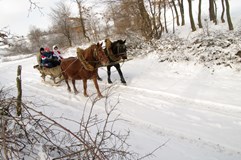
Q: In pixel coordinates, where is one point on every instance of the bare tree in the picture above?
(223, 11)
(200, 14)
(181, 6)
(4, 40)
(61, 24)
(124, 16)
(145, 19)
(23, 137)
(191, 16)
(230, 24)
(173, 18)
(155, 12)
(35, 37)
(131, 16)
(212, 11)
(33, 6)
(81, 18)
(159, 22)
(165, 17)
(176, 12)
(94, 27)
(151, 17)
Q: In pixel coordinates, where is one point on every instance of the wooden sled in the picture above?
(54, 72)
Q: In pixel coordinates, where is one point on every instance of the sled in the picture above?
(54, 72)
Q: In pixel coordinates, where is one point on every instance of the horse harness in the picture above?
(86, 65)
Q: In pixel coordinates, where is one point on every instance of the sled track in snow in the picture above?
(163, 102)
(134, 94)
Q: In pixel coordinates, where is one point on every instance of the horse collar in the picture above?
(111, 56)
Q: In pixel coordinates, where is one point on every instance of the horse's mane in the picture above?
(80, 55)
(90, 48)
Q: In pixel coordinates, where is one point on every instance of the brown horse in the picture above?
(84, 67)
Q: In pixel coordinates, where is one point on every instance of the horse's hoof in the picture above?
(99, 79)
(109, 81)
(123, 81)
(100, 96)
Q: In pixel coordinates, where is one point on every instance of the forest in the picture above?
(144, 19)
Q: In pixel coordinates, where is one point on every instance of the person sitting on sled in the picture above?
(57, 53)
(48, 60)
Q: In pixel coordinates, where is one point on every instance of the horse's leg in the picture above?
(97, 88)
(85, 87)
(75, 90)
(117, 66)
(66, 81)
(108, 74)
(98, 77)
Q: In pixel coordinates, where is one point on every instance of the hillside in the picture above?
(182, 94)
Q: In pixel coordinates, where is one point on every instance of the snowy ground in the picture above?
(196, 111)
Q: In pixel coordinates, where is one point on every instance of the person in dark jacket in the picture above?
(47, 58)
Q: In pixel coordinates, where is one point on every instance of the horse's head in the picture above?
(99, 54)
(119, 48)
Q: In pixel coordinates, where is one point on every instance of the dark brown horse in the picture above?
(84, 67)
(115, 51)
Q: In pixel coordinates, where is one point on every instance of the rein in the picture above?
(70, 65)
(112, 56)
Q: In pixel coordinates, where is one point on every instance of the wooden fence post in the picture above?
(19, 86)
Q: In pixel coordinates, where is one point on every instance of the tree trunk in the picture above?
(82, 20)
(70, 41)
(159, 20)
(200, 14)
(146, 22)
(230, 24)
(175, 8)
(215, 12)
(191, 16)
(173, 19)
(212, 15)
(223, 11)
(165, 17)
(180, 3)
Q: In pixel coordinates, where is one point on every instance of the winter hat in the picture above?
(41, 49)
(55, 46)
(47, 49)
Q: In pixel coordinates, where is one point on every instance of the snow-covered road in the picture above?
(196, 110)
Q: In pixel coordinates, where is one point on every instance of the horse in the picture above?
(115, 51)
(84, 67)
